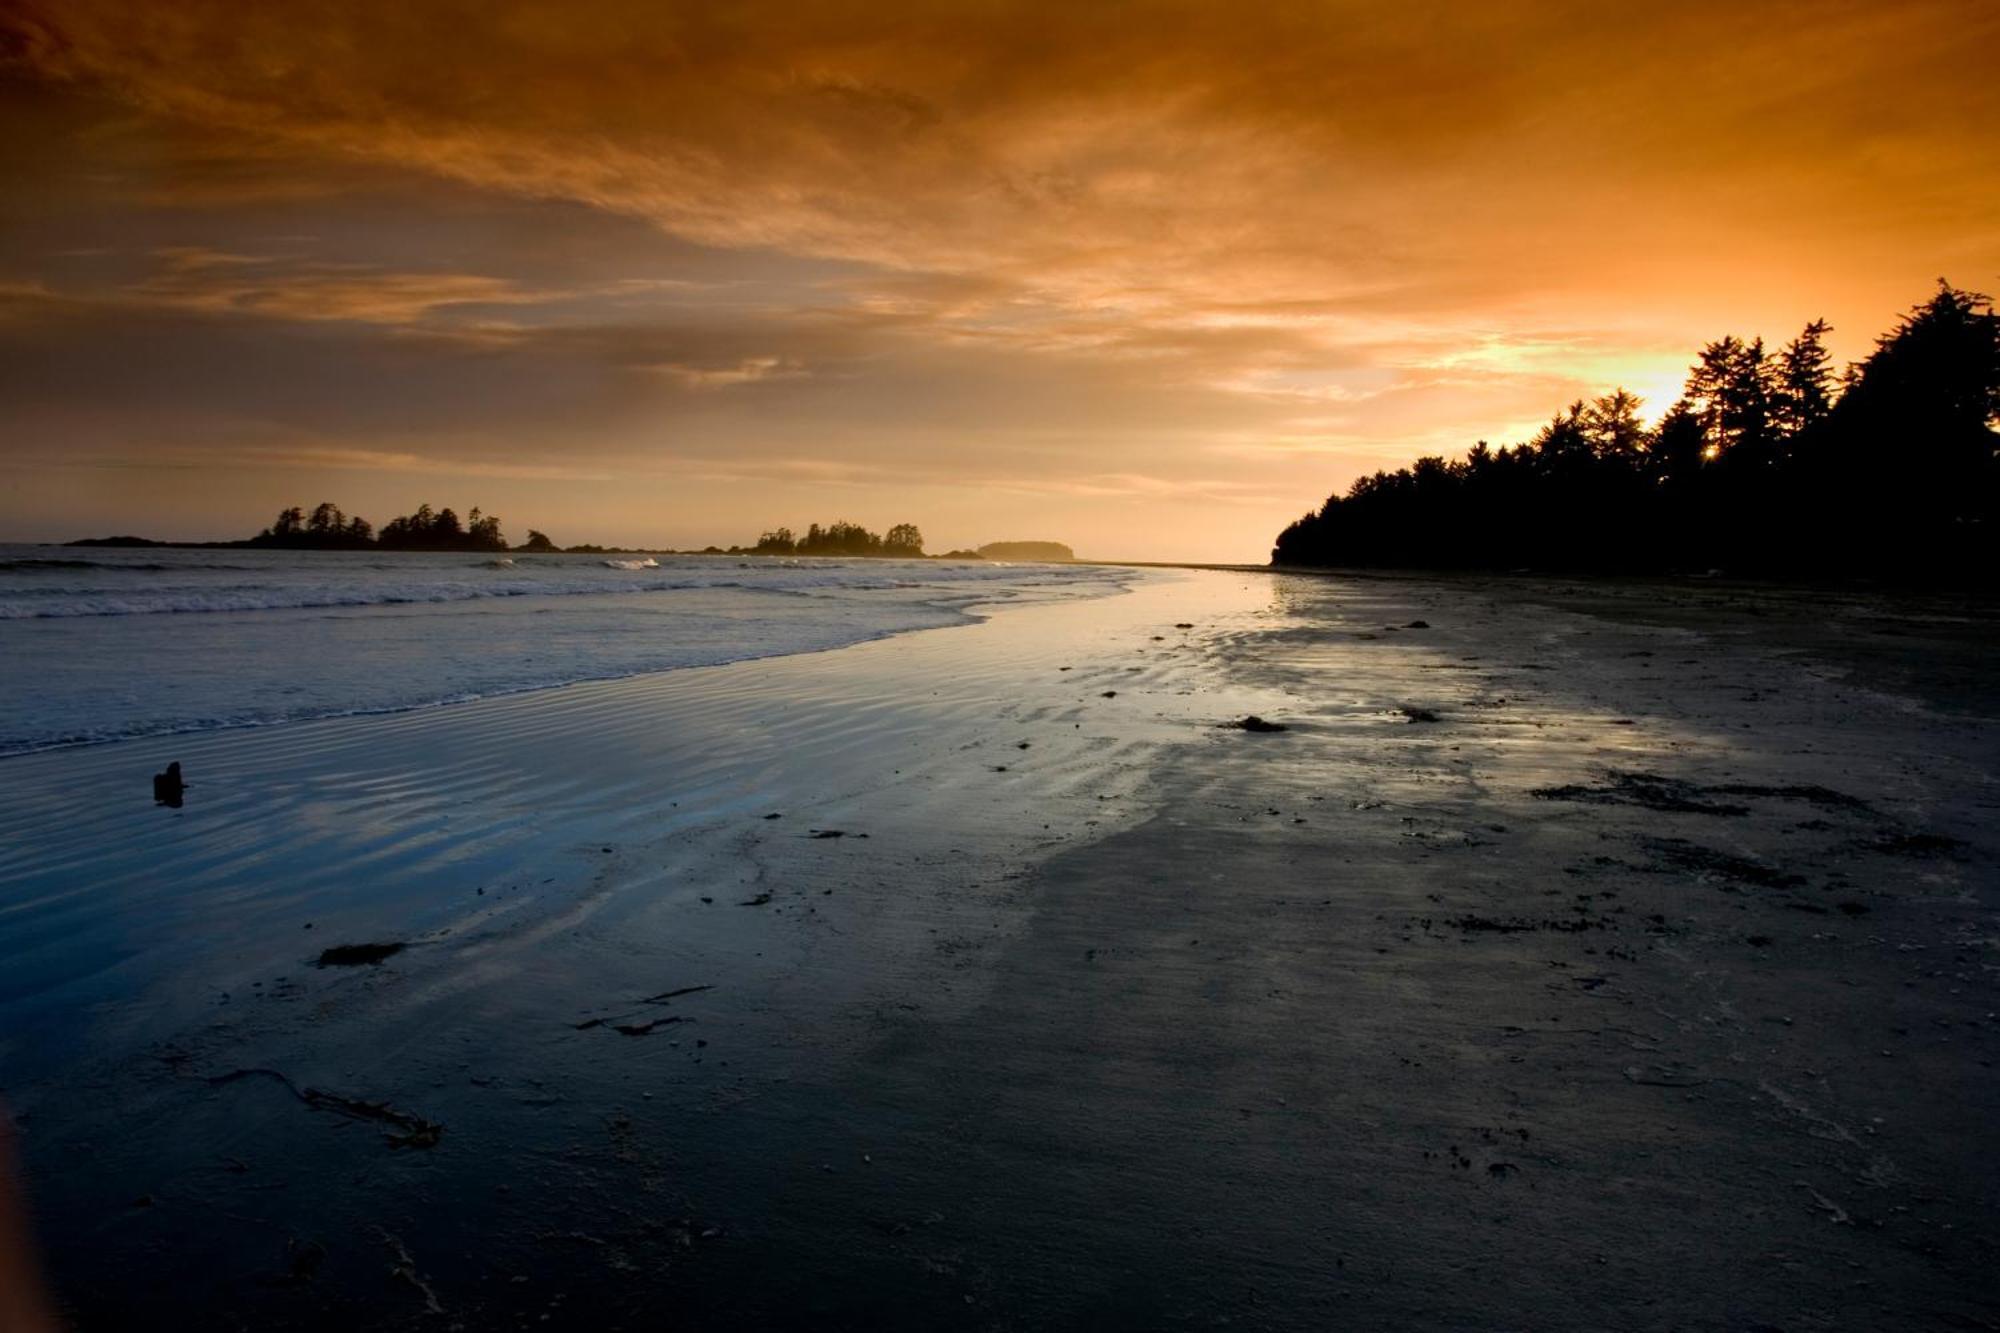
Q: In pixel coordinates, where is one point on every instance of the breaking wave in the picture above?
(105, 654)
(44, 590)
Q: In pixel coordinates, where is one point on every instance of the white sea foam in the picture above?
(36, 589)
(113, 644)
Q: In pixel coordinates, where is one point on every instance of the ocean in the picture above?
(101, 645)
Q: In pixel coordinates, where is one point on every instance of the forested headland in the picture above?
(1769, 462)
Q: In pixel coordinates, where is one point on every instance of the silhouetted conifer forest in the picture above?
(842, 538)
(1770, 462)
(328, 529)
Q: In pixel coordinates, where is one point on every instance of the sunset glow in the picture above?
(1149, 279)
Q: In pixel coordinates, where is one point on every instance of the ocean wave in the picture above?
(331, 643)
(647, 563)
(236, 718)
(192, 597)
(31, 564)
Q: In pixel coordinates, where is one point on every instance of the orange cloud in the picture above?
(1090, 151)
(1362, 228)
(201, 280)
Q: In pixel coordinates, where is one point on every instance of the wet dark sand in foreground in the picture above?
(1595, 956)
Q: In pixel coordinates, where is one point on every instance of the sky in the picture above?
(1148, 278)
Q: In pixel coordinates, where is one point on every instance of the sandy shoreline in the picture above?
(1147, 1024)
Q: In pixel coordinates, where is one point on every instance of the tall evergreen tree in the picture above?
(1612, 426)
(327, 521)
(1803, 395)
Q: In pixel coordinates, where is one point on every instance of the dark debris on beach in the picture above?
(359, 955)
(410, 1130)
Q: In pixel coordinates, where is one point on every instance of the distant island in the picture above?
(1768, 463)
(1047, 552)
(329, 528)
(903, 541)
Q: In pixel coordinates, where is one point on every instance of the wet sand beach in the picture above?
(1578, 955)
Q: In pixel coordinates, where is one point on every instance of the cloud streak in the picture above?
(1048, 237)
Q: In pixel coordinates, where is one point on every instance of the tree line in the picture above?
(1768, 462)
(327, 528)
(843, 538)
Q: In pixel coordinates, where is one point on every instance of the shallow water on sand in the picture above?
(107, 644)
(1537, 925)
(549, 859)
(124, 921)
